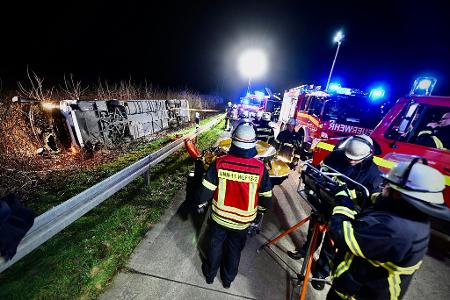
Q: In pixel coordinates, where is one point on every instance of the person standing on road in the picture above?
(258, 117)
(197, 119)
(240, 188)
(353, 158)
(380, 249)
(228, 115)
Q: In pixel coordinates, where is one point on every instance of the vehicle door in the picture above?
(404, 136)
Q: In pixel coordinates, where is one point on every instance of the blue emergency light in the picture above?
(334, 87)
(376, 94)
(259, 95)
(423, 86)
(344, 91)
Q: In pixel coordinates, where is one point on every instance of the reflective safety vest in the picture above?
(235, 200)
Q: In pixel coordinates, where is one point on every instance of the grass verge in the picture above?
(81, 260)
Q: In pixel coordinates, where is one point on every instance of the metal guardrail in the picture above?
(59, 217)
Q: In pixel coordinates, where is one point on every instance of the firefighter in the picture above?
(240, 188)
(258, 117)
(381, 248)
(244, 114)
(288, 141)
(197, 120)
(228, 116)
(353, 158)
(234, 116)
(264, 132)
(438, 134)
(15, 221)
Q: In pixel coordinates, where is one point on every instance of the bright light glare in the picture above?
(376, 93)
(259, 95)
(49, 105)
(252, 63)
(334, 87)
(339, 37)
(424, 84)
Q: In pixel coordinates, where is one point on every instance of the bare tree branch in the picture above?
(73, 89)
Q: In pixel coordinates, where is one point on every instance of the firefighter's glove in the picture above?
(201, 208)
(344, 198)
(255, 226)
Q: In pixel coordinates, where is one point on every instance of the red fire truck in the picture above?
(396, 137)
(336, 113)
(259, 101)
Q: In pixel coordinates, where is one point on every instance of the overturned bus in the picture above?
(90, 123)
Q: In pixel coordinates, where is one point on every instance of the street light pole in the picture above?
(338, 38)
(249, 84)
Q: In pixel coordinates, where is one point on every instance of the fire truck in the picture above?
(337, 112)
(259, 101)
(397, 136)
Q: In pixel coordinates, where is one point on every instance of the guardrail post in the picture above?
(146, 176)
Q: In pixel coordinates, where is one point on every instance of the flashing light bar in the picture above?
(376, 94)
(334, 87)
(423, 86)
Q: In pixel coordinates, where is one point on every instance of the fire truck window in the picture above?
(331, 110)
(433, 129)
(405, 125)
(355, 111)
(303, 104)
(315, 106)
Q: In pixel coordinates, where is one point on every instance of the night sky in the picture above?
(195, 44)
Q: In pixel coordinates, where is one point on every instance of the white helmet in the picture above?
(292, 121)
(266, 116)
(358, 147)
(259, 114)
(244, 136)
(244, 114)
(418, 181)
(229, 104)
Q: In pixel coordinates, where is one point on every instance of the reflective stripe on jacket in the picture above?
(436, 142)
(264, 132)
(237, 183)
(379, 250)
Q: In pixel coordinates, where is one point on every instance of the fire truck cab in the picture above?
(399, 134)
(336, 113)
(259, 101)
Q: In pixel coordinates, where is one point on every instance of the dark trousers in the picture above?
(224, 251)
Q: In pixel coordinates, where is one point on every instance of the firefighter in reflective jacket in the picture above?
(264, 132)
(380, 248)
(288, 142)
(438, 134)
(240, 188)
